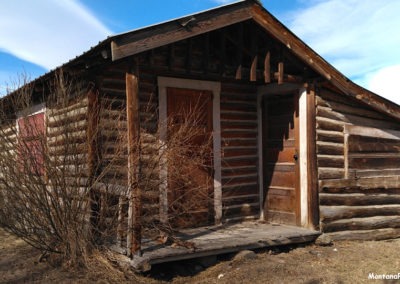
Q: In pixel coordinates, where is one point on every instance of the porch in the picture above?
(216, 240)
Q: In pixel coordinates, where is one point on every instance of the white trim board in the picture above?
(215, 88)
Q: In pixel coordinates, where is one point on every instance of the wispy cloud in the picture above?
(360, 38)
(48, 32)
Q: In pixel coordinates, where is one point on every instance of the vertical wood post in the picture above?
(280, 73)
(93, 156)
(267, 68)
(253, 69)
(313, 199)
(134, 234)
(121, 220)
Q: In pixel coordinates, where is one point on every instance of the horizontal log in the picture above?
(329, 136)
(384, 133)
(250, 107)
(356, 199)
(81, 103)
(330, 148)
(246, 116)
(237, 181)
(330, 213)
(332, 161)
(237, 191)
(373, 173)
(240, 170)
(326, 97)
(330, 173)
(329, 124)
(365, 235)
(348, 109)
(389, 182)
(250, 125)
(327, 112)
(370, 223)
(374, 162)
(356, 146)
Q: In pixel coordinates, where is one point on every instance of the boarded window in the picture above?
(31, 132)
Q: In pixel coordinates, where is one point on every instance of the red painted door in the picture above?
(190, 178)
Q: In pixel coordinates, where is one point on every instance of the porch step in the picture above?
(216, 240)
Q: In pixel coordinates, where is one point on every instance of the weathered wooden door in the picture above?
(190, 174)
(280, 161)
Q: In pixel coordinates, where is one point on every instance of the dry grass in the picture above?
(345, 262)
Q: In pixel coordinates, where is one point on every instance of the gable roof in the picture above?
(137, 41)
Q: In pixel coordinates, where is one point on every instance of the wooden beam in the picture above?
(167, 33)
(92, 132)
(281, 73)
(267, 68)
(206, 54)
(253, 69)
(239, 52)
(317, 63)
(238, 75)
(134, 234)
(312, 182)
(121, 220)
(93, 156)
(222, 53)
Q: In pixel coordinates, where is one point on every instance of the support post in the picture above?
(253, 69)
(93, 157)
(134, 233)
(267, 68)
(313, 199)
(281, 73)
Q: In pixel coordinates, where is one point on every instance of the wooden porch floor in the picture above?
(215, 240)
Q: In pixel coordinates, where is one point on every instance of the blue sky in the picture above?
(359, 38)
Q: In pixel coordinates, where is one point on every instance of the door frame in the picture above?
(308, 198)
(215, 88)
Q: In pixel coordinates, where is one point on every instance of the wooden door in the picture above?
(280, 161)
(190, 174)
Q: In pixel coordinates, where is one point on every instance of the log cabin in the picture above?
(294, 141)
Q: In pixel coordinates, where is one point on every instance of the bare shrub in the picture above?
(46, 183)
(63, 172)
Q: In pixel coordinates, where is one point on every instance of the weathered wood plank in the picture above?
(330, 148)
(331, 161)
(368, 223)
(361, 184)
(167, 33)
(329, 124)
(134, 234)
(330, 213)
(329, 136)
(357, 199)
(372, 132)
(222, 240)
(330, 173)
(365, 235)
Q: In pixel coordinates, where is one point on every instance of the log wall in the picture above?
(114, 145)
(66, 128)
(359, 185)
(240, 193)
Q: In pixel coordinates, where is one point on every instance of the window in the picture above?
(31, 133)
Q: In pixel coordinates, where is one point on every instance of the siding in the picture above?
(240, 193)
(359, 188)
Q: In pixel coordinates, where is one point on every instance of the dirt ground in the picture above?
(343, 262)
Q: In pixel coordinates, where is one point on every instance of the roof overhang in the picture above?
(132, 43)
